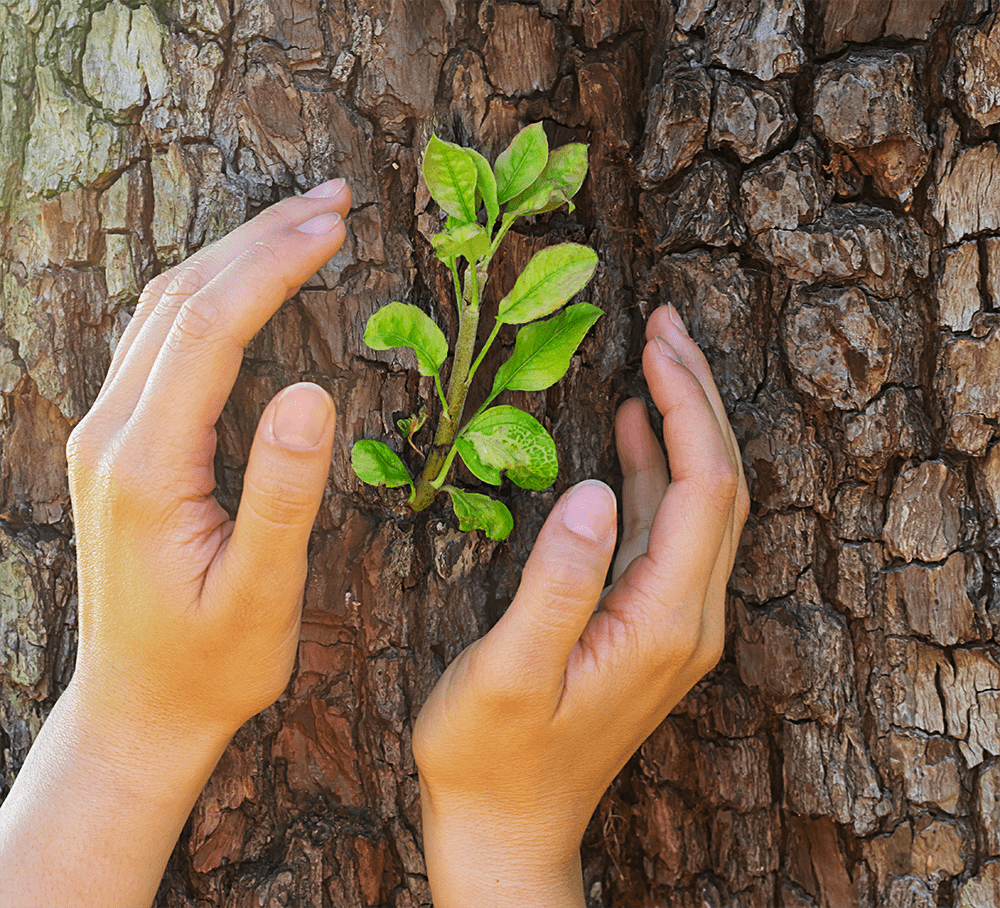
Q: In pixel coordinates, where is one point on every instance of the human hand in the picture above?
(529, 725)
(189, 621)
(183, 612)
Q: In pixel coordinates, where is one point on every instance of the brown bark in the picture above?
(816, 186)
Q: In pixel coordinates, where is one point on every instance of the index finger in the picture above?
(165, 293)
(665, 590)
(667, 323)
(199, 360)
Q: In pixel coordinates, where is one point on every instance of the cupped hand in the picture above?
(184, 613)
(188, 620)
(528, 726)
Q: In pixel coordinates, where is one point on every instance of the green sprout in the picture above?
(526, 179)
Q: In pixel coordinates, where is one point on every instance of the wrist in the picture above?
(475, 859)
(117, 752)
(161, 756)
(110, 791)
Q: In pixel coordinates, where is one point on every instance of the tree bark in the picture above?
(816, 187)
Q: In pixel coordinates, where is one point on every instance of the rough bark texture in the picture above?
(816, 185)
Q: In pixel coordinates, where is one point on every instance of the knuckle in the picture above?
(113, 483)
(113, 471)
(152, 292)
(277, 500)
(82, 454)
(511, 697)
(264, 257)
(268, 267)
(187, 280)
(685, 639)
(675, 638)
(565, 584)
(196, 322)
(122, 474)
(281, 216)
(742, 506)
(721, 483)
(708, 652)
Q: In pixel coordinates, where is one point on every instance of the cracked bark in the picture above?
(814, 185)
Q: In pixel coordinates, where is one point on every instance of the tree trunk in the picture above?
(816, 186)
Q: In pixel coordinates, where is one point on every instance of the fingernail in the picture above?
(590, 510)
(322, 223)
(675, 317)
(667, 350)
(300, 416)
(328, 190)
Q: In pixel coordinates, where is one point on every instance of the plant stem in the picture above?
(438, 483)
(485, 350)
(432, 477)
(458, 388)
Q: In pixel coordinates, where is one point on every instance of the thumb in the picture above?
(562, 581)
(282, 490)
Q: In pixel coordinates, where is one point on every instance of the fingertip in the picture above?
(630, 409)
(668, 324)
(332, 189)
(323, 224)
(638, 448)
(590, 511)
(303, 417)
(660, 358)
(631, 418)
(658, 321)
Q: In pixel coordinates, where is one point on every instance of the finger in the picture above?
(166, 293)
(693, 520)
(148, 299)
(282, 491)
(644, 471)
(666, 319)
(667, 323)
(560, 586)
(201, 354)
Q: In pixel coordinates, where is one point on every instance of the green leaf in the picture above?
(480, 512)
(377, 464)
(410, 425)
(486, 187)
(470, 241)
(543, 350)
(404, 325)
(482, 472)
(551, 277)
(557, 184)
(519, 165)
(450, 175)
(505, 438)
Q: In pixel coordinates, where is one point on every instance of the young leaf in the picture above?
(505, 438)
(377, 464)
(520, 163)
(470, 241)
(486, 187)
(412, 424)
(480, 512)
(558, 182)
(450, 175)
(404, 325)
(551, 277)
(543, 350)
